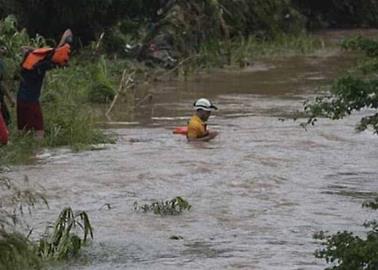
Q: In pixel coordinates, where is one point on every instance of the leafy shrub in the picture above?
(163, 208)
(369, 46)
(101, 89)
(346, 251)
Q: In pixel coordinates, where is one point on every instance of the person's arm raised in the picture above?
(66, 38)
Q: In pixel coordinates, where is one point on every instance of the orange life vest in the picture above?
(181, 130)
(59, 56)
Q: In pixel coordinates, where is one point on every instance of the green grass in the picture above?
(242, 51)
(282, 46)
(20, 150)
(17, 252)
(61, 242)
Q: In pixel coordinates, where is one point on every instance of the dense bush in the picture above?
(339, 13)
(90, 17)
(85, 17)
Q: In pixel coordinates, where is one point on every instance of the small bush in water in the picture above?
(163, 208)
(62, 242)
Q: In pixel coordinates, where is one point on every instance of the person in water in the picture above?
(197, 127)
(33, 69)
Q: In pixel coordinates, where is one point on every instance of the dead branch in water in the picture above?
(125, 84)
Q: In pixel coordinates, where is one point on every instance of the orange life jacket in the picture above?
(59, 56)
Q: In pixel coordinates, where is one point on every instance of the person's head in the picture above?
(203, 108)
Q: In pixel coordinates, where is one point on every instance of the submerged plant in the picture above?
(63, 242)
(17, 251)
(170, 207)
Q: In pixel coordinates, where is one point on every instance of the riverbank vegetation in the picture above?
(18, 249)
(355, 91)
(345, 250)
(90, 18)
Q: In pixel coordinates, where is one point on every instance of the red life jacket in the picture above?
(3, 131)
(58, 56)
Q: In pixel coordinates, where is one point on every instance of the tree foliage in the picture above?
(88, 18)
(347, 251)
(339, 13)
(358, 90)
(13, 39)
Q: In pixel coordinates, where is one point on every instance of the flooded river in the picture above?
(258, 191)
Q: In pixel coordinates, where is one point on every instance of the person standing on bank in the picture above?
(33, 69)
(197, 127)
(4, 92)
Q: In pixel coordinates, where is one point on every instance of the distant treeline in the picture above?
(88, 18)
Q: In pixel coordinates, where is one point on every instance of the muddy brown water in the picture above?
(258, 191)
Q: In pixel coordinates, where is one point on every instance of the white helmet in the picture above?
(204, 104)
